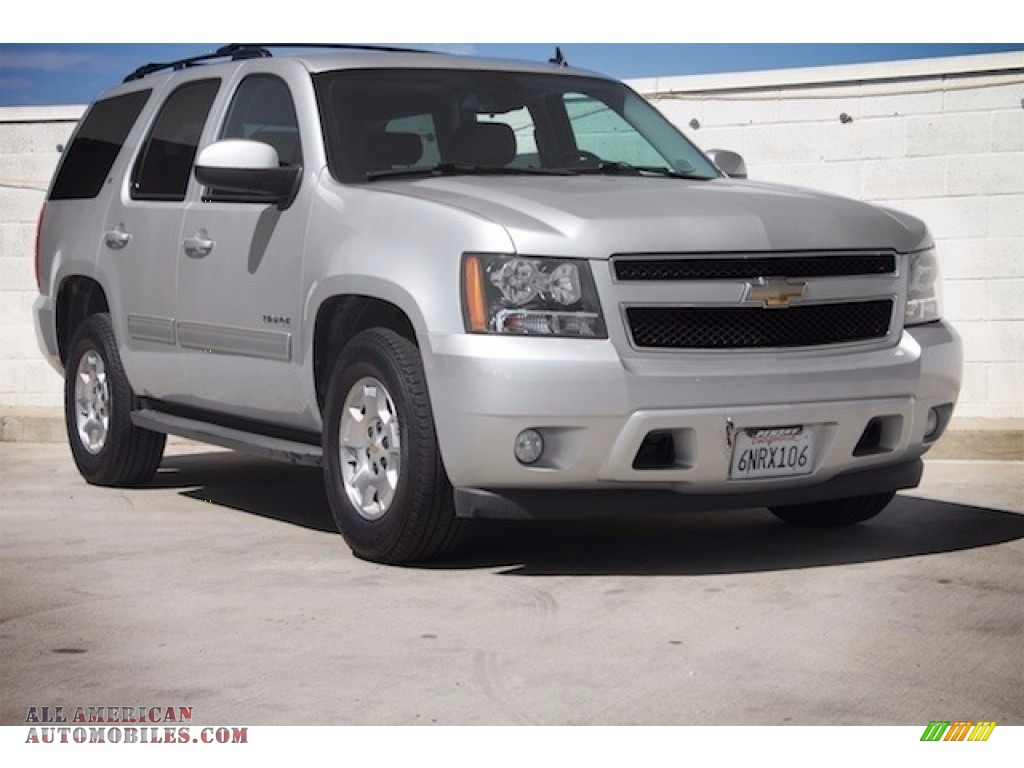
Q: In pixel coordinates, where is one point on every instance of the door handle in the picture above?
(198, 245)
(116, 238)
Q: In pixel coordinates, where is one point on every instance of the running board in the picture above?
(276, 448)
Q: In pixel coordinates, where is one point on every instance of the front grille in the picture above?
(754, 327)
(747, 267)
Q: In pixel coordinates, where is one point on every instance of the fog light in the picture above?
(529, 446)
(933, 424)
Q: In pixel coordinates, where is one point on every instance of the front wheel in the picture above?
(388, 491)
(828, 514)
(98, 401)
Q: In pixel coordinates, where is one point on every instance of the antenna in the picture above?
(558, 60)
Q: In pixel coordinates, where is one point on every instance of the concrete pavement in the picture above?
(223, 587)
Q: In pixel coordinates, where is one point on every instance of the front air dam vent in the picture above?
(657, 451)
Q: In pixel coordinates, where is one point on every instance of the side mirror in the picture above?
(240, 169)
(730, 163)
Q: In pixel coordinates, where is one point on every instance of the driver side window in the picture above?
(262, 110)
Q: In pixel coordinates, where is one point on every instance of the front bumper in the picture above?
(559, 504)
(595, 408)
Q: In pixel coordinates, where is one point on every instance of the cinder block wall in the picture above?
(939, 138)
(30, 138)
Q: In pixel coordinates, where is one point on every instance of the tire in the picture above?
(831, 514)
(387, 488)
(98, 400)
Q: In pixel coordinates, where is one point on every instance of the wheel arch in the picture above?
(78, 298)
(339, 318)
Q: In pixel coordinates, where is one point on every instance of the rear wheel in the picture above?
(826, 514)
(98, 400)
(388, 491)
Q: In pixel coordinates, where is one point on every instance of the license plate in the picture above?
(772, 452)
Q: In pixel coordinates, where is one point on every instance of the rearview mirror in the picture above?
(730, 163)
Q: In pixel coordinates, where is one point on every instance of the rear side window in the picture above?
(96, 145)
(163, 168)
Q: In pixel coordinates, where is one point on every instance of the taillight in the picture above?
(39, 229)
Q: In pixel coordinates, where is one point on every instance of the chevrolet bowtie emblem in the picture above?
(774, 294)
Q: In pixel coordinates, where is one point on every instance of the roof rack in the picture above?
(240, 51)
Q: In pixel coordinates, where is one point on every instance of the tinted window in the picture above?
(262, 110)
(96, 145)
(163, 168)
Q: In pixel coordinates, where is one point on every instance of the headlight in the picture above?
(924, 288)
(530, 295)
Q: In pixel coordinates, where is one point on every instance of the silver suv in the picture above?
(472, 288)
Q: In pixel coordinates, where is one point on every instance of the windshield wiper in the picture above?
(617, 167)
(466, 169)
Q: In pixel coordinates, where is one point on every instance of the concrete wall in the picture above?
(940, 138)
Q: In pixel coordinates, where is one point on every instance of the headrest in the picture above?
(492, 144)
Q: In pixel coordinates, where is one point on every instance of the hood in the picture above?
(598, 216)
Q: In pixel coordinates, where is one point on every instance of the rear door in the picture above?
(142, 238)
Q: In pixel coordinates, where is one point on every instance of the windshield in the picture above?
(394, 123)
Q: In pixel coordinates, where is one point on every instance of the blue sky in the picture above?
(47, 73)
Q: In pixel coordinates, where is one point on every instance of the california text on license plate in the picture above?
(772, 452)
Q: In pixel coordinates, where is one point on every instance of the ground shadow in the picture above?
(736, 541)
(688, 543)
(286, 492)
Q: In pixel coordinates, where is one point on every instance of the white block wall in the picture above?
(942, 139)
(29, 140)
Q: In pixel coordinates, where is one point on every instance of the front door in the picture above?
(239, 277)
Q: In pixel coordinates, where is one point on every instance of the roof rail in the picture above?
(340, 46)
(240, 51)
